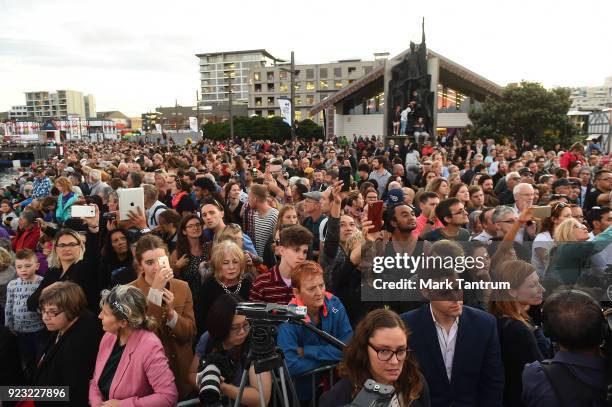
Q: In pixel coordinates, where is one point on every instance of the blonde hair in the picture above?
(128, 303)
(231, 233)
(53, 259)
(5, 258)
(218, 254)
(64, 182)
(514, 272)
(563, 231)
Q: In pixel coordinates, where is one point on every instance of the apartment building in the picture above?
(18, 112)
(59, 104)
(592, 98)
(313, 83)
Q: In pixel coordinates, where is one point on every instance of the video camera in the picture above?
(274, 313)
(373, 394)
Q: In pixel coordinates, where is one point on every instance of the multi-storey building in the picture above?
(592, 98)
(312, 82)
(18, 112)
(61, 104)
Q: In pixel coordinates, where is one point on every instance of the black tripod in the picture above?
(267, 359)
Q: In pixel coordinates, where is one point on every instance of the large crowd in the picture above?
(131, 312)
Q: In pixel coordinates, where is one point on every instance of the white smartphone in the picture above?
(129, 200)
(163, 262)
(82, 211)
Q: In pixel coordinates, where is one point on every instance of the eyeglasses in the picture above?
(385, 355)
(194, 226)
(64, 245)
(50, 313)
(236, 329)
(508, 221)
(460, 212)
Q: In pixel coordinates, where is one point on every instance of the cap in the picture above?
(316, 195)
(525, 171)
(396, 196)
(69, 169)
(563, 182)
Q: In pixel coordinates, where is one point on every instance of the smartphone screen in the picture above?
(345, 177)
(163, 262)
(375, 212)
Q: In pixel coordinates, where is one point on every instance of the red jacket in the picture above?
(26, 238)
(567, 158)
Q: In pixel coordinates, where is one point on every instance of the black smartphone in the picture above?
(345, 177)
(262, 165)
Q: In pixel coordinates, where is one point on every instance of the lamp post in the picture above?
(230, 102)
(291, 71)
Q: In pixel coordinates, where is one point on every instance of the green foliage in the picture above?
(526, 112)
(260, 128)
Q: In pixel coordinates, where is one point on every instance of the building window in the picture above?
(271, 100)
(337, 72)
(297, 73)
(257, 76)
(323, 85)
(270, 113)
(282, 74)
(351, 81)
(310, 74)
(338, 85)
(323, 73)
(258, 87)
(298, 115)
(270, 87)
(283, 87)
(310, 86)
(258, 102)
(351, 70)
(367, 69)
(296, 86)
(310, 99)
(258, 112)
(270, 76)
(298, 101)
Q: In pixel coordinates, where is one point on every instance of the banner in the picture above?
(193, 123)
(158, 127)
(285, 108)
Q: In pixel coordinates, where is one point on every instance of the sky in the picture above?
(134, 55)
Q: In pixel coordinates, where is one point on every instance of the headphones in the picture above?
(585, 300)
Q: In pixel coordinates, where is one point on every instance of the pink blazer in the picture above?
(143, 376)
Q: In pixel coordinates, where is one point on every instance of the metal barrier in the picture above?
(313, 376)
(314, 382)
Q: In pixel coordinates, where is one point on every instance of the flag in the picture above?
(193, 123)
(285, 108)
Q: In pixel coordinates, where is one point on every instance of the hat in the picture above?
(316, 195)
(525, 172)
(395, 197)
(69, 169)
(563, 182)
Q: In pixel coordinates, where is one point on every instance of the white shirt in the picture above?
(483, 237)
(447, 342)
(543, 240)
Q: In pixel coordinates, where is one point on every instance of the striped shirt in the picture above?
(264, 229)
(270, 287)
(16, 314)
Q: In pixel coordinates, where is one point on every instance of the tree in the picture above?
(260, 128)
(307, 129)
(526, 112)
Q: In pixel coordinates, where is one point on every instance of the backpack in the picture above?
(152, 218)
(570, 391)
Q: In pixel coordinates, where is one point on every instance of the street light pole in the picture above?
(292, 96)
(231, 117)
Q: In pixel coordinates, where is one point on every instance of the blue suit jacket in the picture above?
(478, 374)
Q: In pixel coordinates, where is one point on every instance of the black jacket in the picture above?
(71, 361)
(84, 273)
(341, 395)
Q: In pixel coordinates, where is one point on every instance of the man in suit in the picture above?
(457, 347)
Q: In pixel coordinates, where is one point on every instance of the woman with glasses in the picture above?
(228, 276)
(544, 241)
(380, 351)
(570, 260)
(74, 257)
(169, 302)
(521, 342)
(226, 340)
(117, 260)
(131, 367)
(69, 356)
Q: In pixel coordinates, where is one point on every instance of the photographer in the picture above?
(576, 375)
(383, 337)
(225, 346)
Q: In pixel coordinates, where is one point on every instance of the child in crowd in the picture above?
(28, 326)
